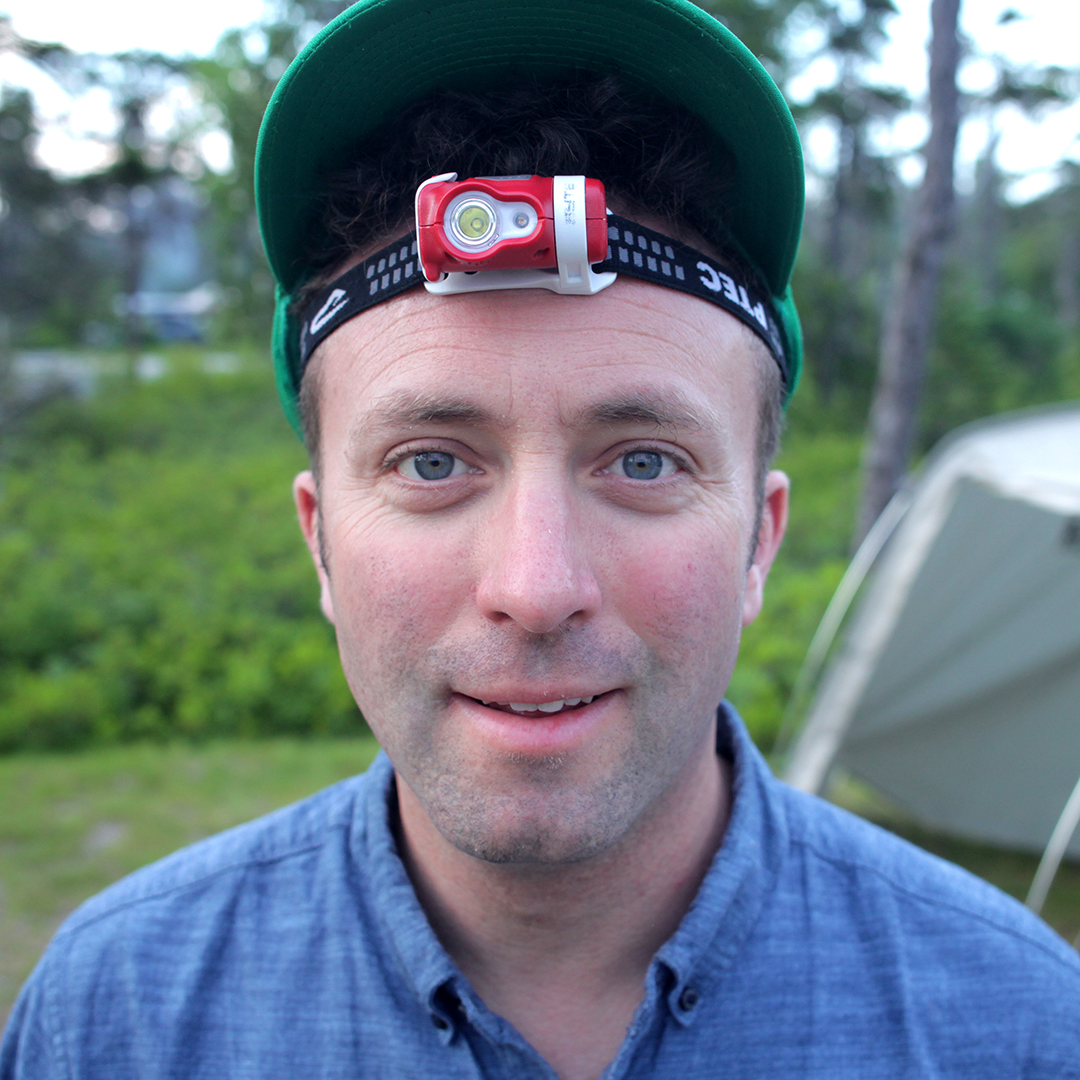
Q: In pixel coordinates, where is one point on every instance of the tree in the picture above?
(909, 318)
(135, 81)
(40, 248)
(68, 245)
(849, 235)
(237, 82)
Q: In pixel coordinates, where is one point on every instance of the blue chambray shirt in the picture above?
(294, 947)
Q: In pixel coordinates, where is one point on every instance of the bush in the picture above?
(153, 577)
(824, 468)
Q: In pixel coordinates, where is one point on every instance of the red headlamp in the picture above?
(523, 231)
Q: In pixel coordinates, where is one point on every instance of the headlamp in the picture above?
(522, 231)
(532, 232)
(380, 56)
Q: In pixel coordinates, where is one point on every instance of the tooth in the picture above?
(543, 706)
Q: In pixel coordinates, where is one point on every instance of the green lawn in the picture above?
(72, 823)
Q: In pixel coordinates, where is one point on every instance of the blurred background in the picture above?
(164, 669)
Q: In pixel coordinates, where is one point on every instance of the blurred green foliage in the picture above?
(153, 578)
(823, 466)
(153, 581)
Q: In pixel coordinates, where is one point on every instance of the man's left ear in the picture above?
(774, 515)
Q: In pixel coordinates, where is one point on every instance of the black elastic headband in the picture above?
(633, 250)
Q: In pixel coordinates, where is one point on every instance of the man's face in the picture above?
(528, 499)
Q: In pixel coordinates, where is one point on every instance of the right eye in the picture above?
(431, 465)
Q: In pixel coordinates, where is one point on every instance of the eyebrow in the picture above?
(405, 410)
(668, 410)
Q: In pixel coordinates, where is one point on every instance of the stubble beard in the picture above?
(542, 810)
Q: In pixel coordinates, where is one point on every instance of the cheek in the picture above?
(682, 586)
(393, 590)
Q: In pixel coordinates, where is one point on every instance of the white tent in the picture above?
(956, 688)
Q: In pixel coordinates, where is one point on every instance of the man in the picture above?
(539, 523)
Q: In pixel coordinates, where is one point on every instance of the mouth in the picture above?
(540, 709)
(558, 726)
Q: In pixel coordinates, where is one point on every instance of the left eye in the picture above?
(431, 465)
(646, 465)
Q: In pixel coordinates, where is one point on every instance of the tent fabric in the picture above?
(956, 689)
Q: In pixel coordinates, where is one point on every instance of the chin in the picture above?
(554, 833)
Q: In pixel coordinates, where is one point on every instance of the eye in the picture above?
(646, 465)
(431, 465)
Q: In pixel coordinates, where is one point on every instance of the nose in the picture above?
(536, 569)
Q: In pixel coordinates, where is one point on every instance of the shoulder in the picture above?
(911, 956)
(927, 898)
(266, 844)
(145, 969)
(214, 875)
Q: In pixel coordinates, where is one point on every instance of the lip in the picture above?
(517, 733)
(517, 693)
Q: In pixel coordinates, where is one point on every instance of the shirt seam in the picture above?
(839, 861)
(53, 988)
(56, 1030)
(124, 905)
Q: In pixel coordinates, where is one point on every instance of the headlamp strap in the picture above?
(633, 250)
(381, 276)
(650, 256)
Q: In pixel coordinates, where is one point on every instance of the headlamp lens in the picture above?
(473, 222)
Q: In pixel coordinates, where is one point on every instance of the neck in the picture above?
(562, 951)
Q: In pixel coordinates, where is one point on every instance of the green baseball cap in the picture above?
(379, 56)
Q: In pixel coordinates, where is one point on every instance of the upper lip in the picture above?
(503, 696)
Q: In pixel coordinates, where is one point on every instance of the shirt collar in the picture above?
(420, 957)
(739, 880)
(727, 906)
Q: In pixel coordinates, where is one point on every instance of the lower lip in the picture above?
(553, 734)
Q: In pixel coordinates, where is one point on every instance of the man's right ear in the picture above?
(306, 497)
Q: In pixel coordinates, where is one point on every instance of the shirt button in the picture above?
(688, 999)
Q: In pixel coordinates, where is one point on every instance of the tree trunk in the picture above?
(909, 319)
(1067, 275)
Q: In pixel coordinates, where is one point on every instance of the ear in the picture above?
(774, 515)
(306, 497)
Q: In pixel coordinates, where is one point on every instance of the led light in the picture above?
(473, 222)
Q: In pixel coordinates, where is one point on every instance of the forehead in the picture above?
(530, 357)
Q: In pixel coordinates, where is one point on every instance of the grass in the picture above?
(70, 824)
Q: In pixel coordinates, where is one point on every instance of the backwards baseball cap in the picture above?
(380, 56)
